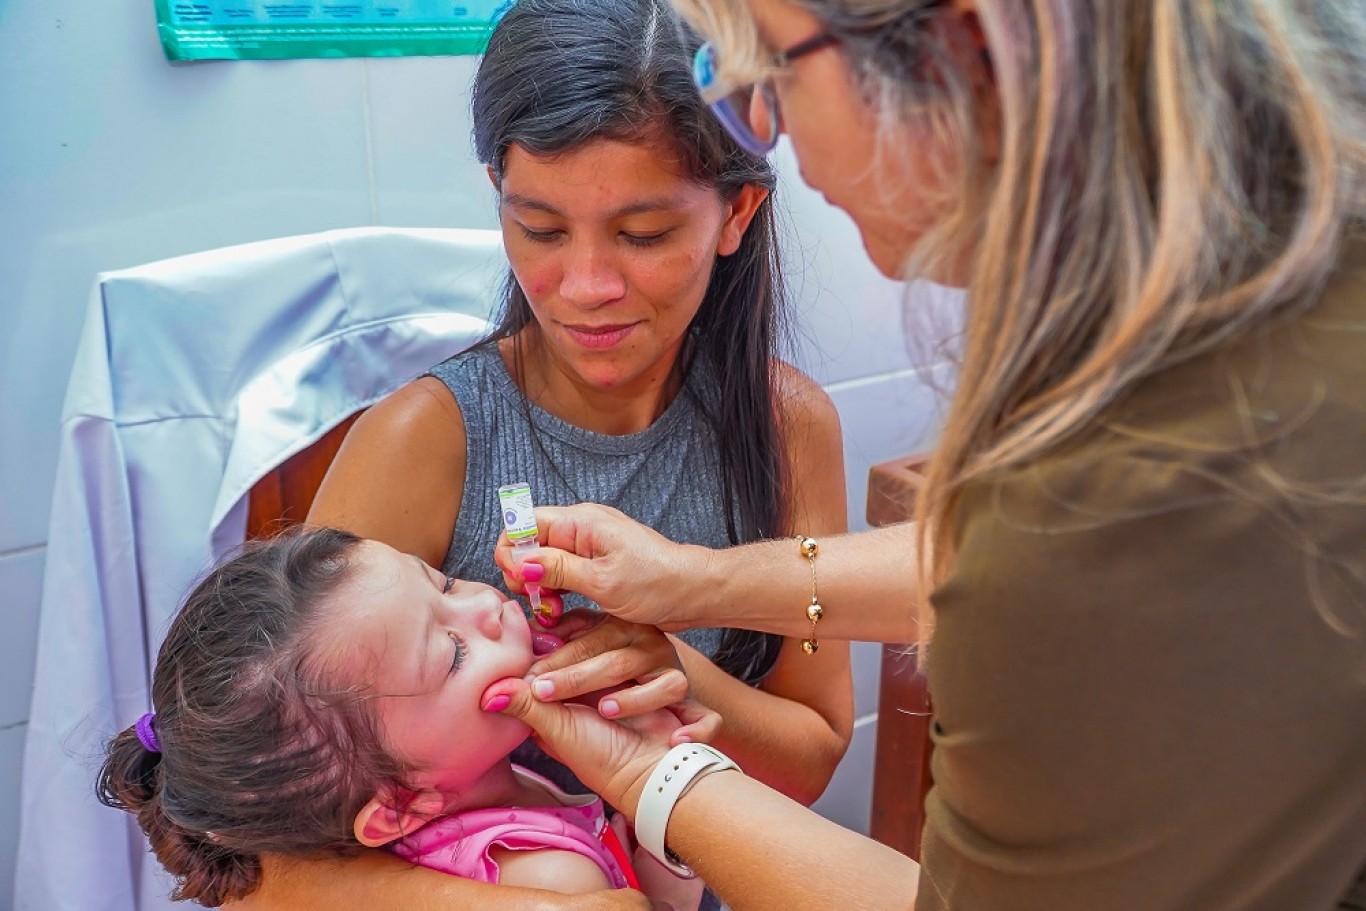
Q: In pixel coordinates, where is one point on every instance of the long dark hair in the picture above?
(559, 74)
(260, 751)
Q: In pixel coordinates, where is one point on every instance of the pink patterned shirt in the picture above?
(461, 844)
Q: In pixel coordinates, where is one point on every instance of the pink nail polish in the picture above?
(532, 572)
(497, 703)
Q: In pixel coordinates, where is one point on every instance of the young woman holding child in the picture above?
(634, 365)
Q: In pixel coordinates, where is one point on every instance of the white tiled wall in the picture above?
(21, 579)
(113, 157)
(435, 180)
(848, 799)
(11, 752)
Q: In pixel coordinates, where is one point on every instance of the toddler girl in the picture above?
(317, 693)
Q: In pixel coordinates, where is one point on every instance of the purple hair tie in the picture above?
(147, 734)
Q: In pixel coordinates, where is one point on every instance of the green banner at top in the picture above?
(257, 30)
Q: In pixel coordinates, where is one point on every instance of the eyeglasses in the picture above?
(749, 112)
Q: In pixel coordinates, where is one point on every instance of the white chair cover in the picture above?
(194, 378)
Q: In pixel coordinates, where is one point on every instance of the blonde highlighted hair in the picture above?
(1142, 179)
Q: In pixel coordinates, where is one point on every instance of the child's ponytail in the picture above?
(206, 872)
(129, 778)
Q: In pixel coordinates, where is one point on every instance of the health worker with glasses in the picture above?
(749, 112)
(1137, 572)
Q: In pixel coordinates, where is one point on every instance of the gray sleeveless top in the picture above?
(667, 476)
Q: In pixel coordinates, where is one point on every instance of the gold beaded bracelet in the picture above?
(809, 548)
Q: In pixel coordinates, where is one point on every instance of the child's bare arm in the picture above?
(562, 871)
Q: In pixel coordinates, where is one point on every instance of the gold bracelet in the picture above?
(809, 548)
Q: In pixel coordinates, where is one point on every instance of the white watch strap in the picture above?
(679, 770)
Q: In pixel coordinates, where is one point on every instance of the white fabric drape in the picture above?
(194, 377)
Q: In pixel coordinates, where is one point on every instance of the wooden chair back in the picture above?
(283, 497)
(901, 763)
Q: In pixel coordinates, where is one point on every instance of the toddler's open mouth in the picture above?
(544, 643)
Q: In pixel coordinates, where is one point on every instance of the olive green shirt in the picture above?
(1149, 665)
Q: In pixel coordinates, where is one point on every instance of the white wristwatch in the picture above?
(678, 771)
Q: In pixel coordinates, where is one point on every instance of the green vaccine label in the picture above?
(519, 513)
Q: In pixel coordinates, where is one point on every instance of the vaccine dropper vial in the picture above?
(519, 518)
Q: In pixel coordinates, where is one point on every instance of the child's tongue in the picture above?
(544, 643)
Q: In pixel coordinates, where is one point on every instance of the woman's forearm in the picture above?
(783, 742)
(866, 586)
(866, 581)
(783, 863)
(378, 881)
(759, 850)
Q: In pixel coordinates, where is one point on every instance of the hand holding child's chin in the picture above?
(612, 757)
